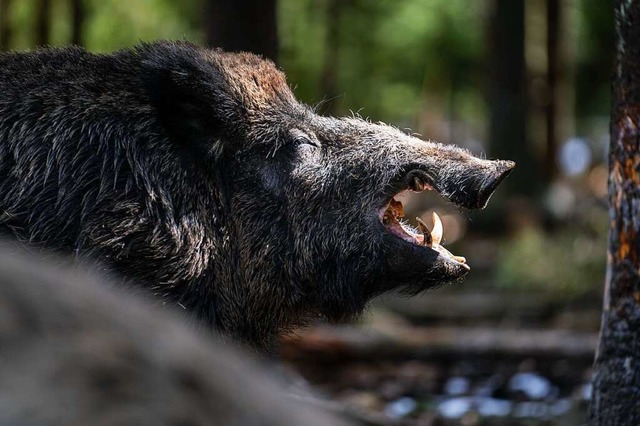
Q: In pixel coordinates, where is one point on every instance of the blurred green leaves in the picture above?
(121, 23)
(394, 58)
(390, 53)
(110, 24)
(569, 263)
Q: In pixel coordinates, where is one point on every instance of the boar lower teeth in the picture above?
(435, 235)
(393, 216)
(436, 232)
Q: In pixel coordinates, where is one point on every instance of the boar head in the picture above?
(310, 226)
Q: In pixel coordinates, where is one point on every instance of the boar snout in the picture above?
(471, 183)
(415, 258)
(502, 169)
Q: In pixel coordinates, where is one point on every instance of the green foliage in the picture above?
(391, 54)
(113, 24)
(594, 57)
(394, 58)
(110, 24)
(570, 262)
(302, 33)
(22, 18)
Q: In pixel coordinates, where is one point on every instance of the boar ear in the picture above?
(192, 104)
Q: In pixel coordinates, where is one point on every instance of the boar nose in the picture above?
(502, 169)
(471, 183)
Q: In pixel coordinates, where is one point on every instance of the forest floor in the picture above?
(456, 356)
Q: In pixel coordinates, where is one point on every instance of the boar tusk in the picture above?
(436, 233)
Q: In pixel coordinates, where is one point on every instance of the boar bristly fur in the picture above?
(196, 175)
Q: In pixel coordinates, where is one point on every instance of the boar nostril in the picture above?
(503, 169)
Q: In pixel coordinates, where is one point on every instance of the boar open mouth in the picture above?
(393, 220)
(420, 245)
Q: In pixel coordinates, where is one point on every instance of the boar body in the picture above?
(195, 175)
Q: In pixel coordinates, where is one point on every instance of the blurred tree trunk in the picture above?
(329, 79)
(242, 25)
(616, 387)
(43, 13)
(5, 24)
(553, 99)
(507, 94)
(77, 22)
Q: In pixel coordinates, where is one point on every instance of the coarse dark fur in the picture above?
(73, 352)
(195, 174)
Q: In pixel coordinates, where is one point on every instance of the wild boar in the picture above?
(196, 175)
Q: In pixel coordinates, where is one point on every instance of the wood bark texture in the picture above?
(616, 388)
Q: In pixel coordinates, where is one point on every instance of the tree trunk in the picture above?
(507, 94)
(242, 25)
(616, 387)
(43, 12)
(553, 98)
(77, 22)
(5, 24)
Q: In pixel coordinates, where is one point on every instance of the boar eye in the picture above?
(303, 139)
